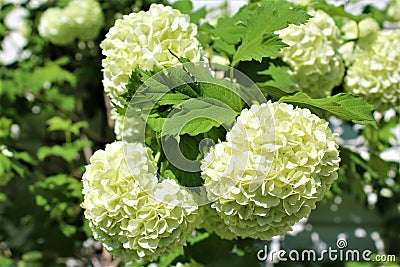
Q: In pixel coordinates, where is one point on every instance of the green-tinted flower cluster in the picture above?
(128, 129)
(213, 224)
(316, 67)
(374, 69)
(82, 19)
(146, 40)
(119, 186)
(277, 162)
(394, 10)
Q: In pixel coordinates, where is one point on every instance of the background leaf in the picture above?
(280, 76)
(198, 116)
(345, 106)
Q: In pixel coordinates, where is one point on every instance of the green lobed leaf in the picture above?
(257, 27)
(280, 76)
(11, 88)
(188, 150)
(76, 127)
(148, 91)
(50, 72)
(136, 80)
(60, 196)
(184, 6)
(59, 124)
(5, 169)
(221, 46)
(155, 122)
(196, 16)
(65, 102)
(338, 11)
(172, 99)
(223, 90)
(5, 127)
(166, 261)
(225, 94)
(345, 106)
(198, 116)
(24, 156)
(230, 29)
(67, 151)
(273, 92)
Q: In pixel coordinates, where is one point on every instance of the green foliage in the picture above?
(5, 170)
(59, 124)
(344, 106)
(214, 251)
(186, 7)
(55, 97)
(279, 75)
(70, 150)
(181, 122)
(338, 12)
(55, 195)
(67, 151)
(6, 262)
(184, 106)
(5, 126)
(40, 216)
(254, 34)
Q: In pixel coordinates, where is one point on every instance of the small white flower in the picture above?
(6, 152)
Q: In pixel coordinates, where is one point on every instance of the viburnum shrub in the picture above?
(215, 154)
(152, 133)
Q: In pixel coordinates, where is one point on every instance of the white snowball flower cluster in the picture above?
(54, 27)
(128, 129)
(85, 17)
(394, 10)
(146, 40)
(316, 67)
(362, 32)
(277, 162)
(82, 19)
(122, 212)
(374, 72)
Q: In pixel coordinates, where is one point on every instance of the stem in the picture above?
(231, 74)
(68, 138)
(157, 157)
